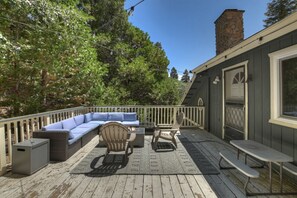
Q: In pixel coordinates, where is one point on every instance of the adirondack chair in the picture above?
(168, 134)
(115, 136)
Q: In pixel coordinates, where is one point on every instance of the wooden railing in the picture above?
(17, 129)
(194, 116)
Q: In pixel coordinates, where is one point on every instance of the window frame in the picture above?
(276, 116)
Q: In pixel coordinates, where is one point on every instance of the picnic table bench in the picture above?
(239, 165)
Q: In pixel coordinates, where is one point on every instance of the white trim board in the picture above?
(243, 64)
(275, 83)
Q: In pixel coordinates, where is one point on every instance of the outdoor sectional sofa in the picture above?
(68, 136)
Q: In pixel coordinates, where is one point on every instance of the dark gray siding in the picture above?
(281, 138)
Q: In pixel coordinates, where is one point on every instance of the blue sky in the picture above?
(186, 27)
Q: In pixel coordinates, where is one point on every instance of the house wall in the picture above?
(278, 137)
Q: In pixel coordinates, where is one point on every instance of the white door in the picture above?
(235, 102)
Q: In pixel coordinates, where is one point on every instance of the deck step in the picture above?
(239, 165)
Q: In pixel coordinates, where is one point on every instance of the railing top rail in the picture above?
(40, 114)
(142, 106)
(82, 107)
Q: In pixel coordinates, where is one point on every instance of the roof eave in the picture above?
(276, 30)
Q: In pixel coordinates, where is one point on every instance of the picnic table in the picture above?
(265, 154)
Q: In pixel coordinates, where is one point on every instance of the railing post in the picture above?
(46, 120)
(203, 117)
(2, 150)
(174, 112)
(145, 114)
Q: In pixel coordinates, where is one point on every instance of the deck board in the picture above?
(176, 189)
(55, 180)
(147, 186)
(167, 190)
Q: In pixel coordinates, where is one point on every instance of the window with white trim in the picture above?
(283, 87)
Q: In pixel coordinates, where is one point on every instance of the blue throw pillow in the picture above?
(79, 119)
(100, 116)
(116, 116)
(88, 117)
(68, 124)
(130, 116)
(57, 125)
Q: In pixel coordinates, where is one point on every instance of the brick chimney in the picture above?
(229, 29)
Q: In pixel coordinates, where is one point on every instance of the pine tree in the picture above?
(279, 9)
(173, 73)
(185, 78)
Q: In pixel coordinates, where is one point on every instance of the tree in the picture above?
(185, 78)
(173, 73)
(167, 92)
(136, 66)
(47, 57)
(58, 53)
(279, 9)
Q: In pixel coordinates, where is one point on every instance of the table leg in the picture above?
(281, 176)
(270, 176)
(238, 152)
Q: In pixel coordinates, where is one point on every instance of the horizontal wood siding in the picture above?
(281, 138)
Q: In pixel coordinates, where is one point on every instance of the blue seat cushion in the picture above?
(131, 123)
(76, 136)
(57, 130)
(57, 125)
(91, 124)
(100, 116)
(130, 116)
(115, 116)
(99, 123)
(77, 133)
(80, 131)
(79, 119)
(68, 123)
(88, 117)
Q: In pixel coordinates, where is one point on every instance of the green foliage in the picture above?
(64, 53)
(279, 9)
(49, 59)
(185, 78)
(136, 66)
(173, 73)
(167, 92)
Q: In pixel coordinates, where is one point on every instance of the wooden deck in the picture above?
(55, 181)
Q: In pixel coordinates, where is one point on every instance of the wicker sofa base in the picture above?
(60, 150)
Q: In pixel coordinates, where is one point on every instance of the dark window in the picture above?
(289, 87)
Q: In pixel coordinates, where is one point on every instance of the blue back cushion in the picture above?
(57, 125)
(79, 119)
(88, 117)
(68, 124)
(116, 116)
(100, 116)
(130, 116)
